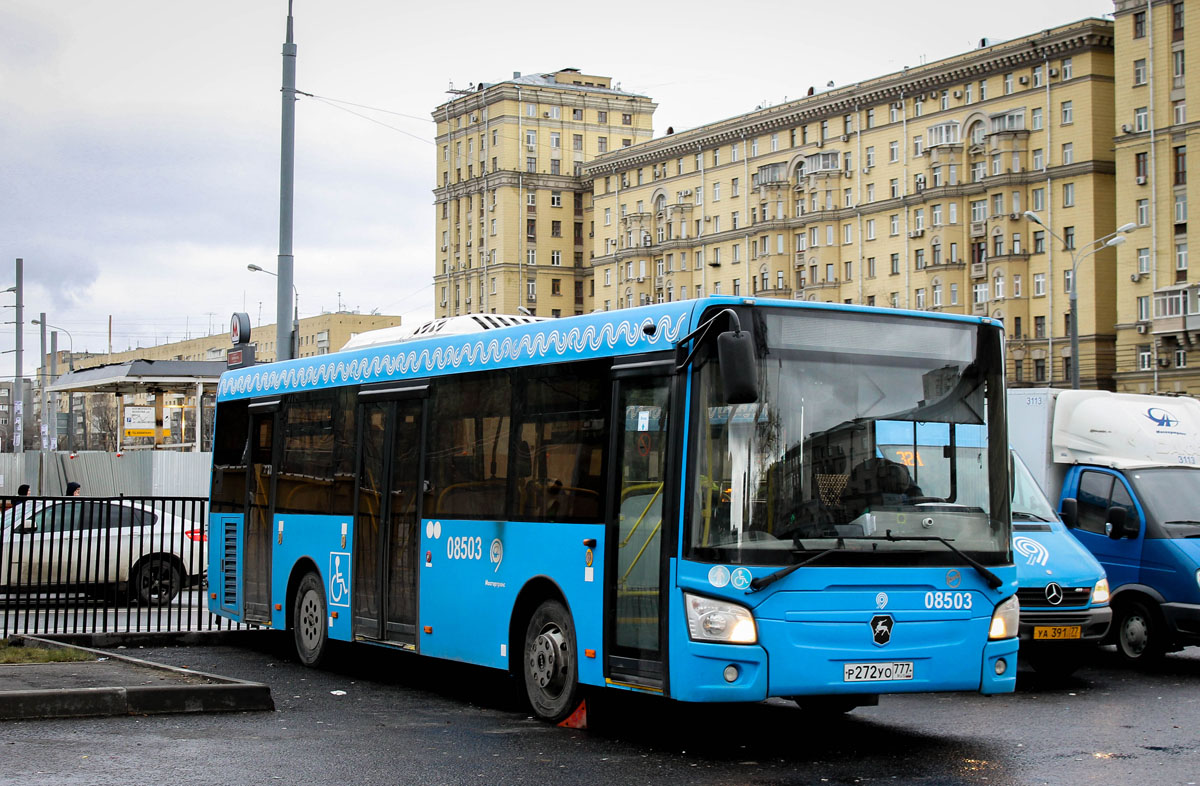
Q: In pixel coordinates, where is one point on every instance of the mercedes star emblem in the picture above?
(1054, 594)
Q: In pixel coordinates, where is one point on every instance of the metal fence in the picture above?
(144, 472)
(104, 565)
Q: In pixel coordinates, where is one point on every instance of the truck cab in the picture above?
(1124, 470)
(1062, 589)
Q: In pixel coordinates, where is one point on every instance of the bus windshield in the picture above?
(866, 426)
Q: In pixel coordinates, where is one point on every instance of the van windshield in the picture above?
(1171, 496)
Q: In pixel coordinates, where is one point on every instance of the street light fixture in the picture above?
(295, 309)
(1078, 255)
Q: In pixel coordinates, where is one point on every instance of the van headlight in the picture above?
(1006, 619)
(719, 620)
(1100, 593)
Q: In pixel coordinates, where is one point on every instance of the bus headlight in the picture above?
(719, 620)
(1100, 593)
(1006, 619)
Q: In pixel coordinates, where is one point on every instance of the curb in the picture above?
(221, 694)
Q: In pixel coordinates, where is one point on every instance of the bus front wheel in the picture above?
(308, 621)
(1139, 634)
(550, 662)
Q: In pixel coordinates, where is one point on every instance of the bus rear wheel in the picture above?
(550, 664)
(308, 621)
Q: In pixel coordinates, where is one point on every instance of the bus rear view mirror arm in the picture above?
(735, 352)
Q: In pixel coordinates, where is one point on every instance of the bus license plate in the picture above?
(877, 672)
(1057, 632)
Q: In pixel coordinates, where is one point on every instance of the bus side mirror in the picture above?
(739, 373)
(1070, 512)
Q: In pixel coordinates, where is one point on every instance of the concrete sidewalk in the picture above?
(115, 684)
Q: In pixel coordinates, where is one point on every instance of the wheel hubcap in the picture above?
(547, 659)
(1133, 635)
(310, 620)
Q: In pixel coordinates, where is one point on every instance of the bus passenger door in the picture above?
(639, 519)
(387, 517)
(260, 507)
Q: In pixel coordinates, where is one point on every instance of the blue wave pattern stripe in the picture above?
(475, 351)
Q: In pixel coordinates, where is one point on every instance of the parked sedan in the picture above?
(128, 549)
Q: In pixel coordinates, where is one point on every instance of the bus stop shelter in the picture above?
(157, 377)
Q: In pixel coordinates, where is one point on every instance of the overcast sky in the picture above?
(139, 139)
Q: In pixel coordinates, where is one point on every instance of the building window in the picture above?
(1181, 256)
(895, 259)
(893, 152)
(1180, 168)
(1139, 24)
(1068, 194)
(1145, 361)
(1139, 72)
(1177, 68)
(1143, 212)
(1069, 237)
(1039, 242)
(1068, 113)
(1179, 112)
(1039, 284)
(1141, 119)
(1067, 70)
(626, 119)
(1068, 153)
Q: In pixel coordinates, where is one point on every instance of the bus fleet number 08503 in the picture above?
(947, 600)
(464, 548)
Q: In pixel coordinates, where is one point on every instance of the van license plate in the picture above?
(877, 672)
(1052, 632)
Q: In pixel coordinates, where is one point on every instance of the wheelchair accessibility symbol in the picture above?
(339, 578)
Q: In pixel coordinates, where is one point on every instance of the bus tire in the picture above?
(1139, 634)
(549, 663)
(308, 621)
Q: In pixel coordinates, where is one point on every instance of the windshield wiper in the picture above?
(1020, 514)
(762, 582)
(766, 581)
(992, 579)
(1182, 521)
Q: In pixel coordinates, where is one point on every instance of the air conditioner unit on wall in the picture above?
(1140, 180)
(1142, 327)
(1023, 80)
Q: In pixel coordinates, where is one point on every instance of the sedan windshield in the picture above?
(865, 425)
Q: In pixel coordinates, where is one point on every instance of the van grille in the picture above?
(1035, 597)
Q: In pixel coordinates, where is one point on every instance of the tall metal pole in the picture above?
(19, 378)
(287, 154)
(54, 396)
(44, 426)
(1074, 321)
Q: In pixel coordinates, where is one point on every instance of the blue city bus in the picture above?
(686, 499)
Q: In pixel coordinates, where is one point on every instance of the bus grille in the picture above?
(229, 574)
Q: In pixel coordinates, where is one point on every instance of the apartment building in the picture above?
(512, 208)
(909, 190)
(1158, 299)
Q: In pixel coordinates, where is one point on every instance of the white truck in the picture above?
(1124, 472)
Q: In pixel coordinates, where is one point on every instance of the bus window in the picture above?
(562, 437)
(229, 458)
(468, 447)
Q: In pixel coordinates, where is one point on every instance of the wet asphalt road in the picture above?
(405, 720)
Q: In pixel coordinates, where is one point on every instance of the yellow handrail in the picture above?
(638, 523)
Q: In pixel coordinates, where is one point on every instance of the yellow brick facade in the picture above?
(1158, 299)
(512, 210)
(907, 190)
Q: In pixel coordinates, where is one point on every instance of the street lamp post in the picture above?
(1078, 255)
(295, 334)
(70, 368)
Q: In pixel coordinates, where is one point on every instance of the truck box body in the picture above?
(1124, 472)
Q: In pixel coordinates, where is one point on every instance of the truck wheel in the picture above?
(550, 667)
(1139, 634)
